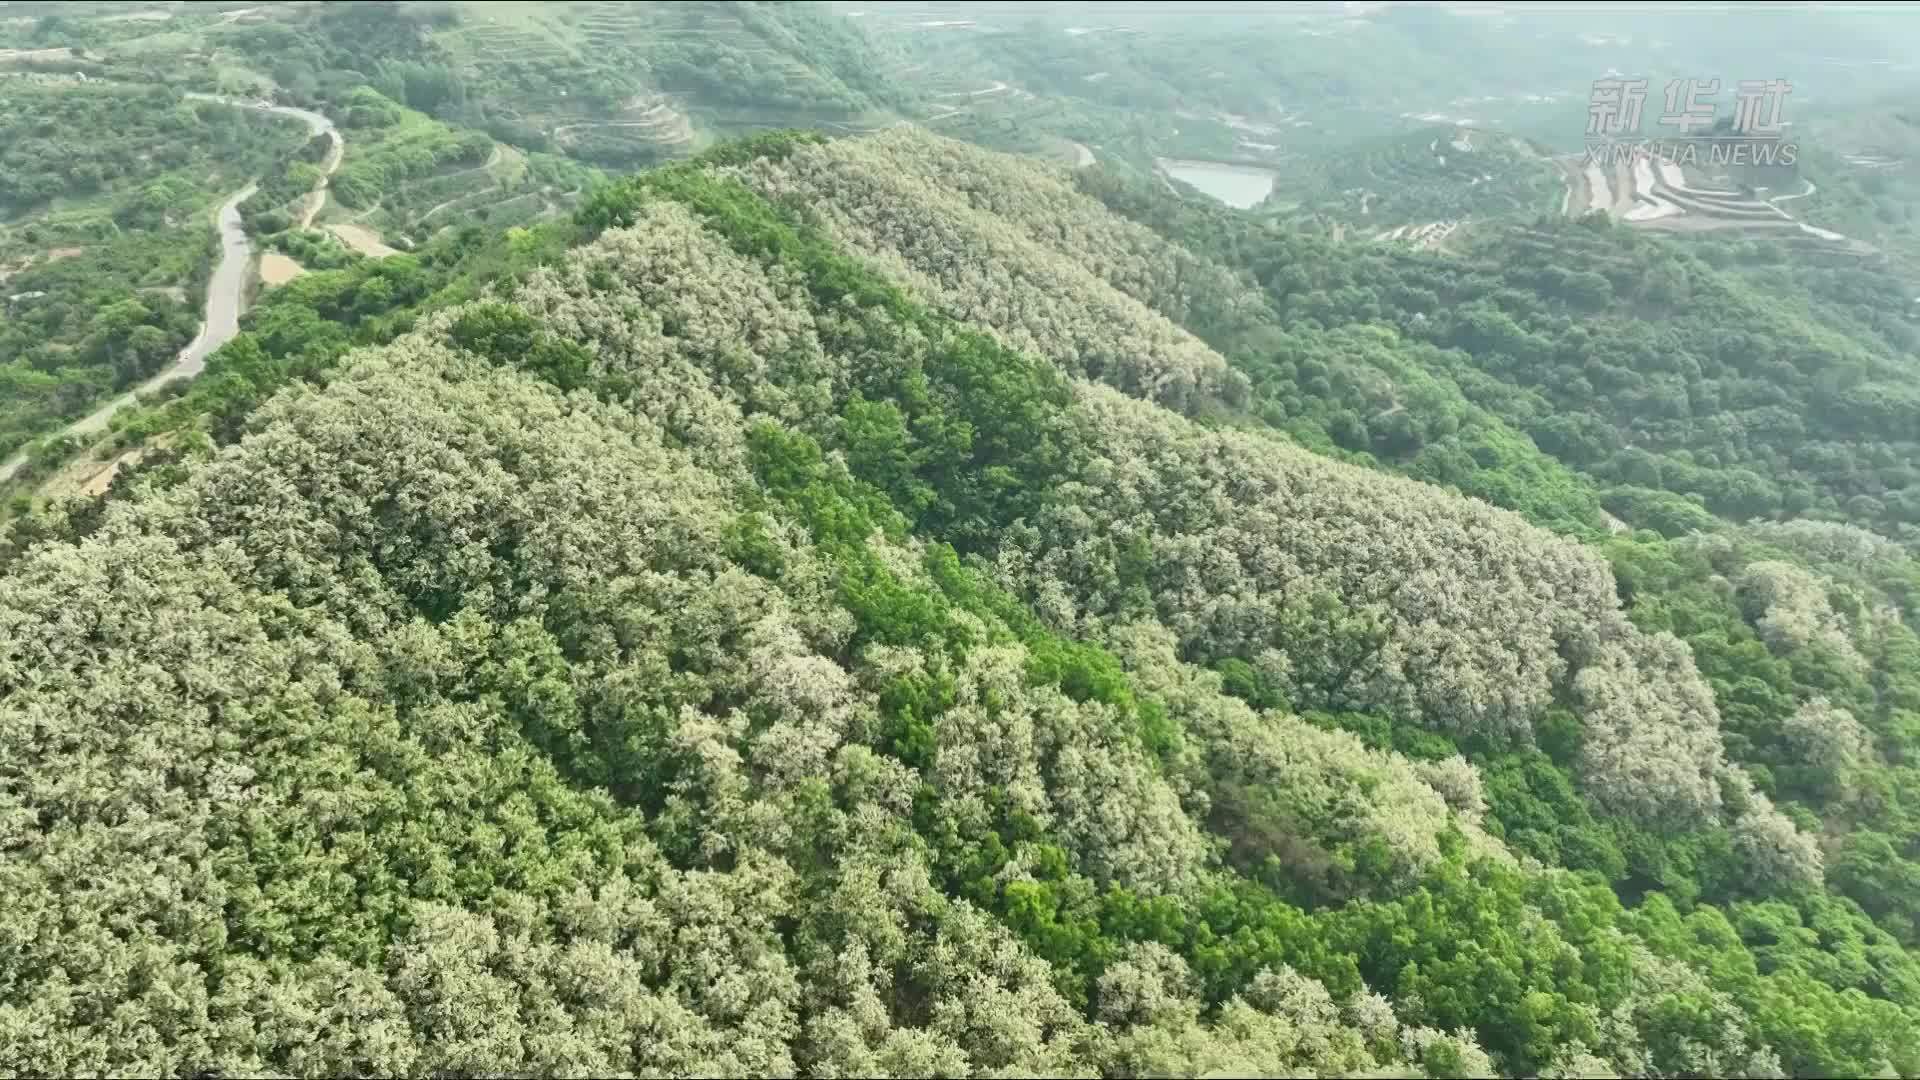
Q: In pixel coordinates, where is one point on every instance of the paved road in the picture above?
(226, 292)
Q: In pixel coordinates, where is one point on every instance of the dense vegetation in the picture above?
(106, 198)
(282, 192)
(405, 147)
(1677, 386)
(1865, 161)
(1803, 627)
(72, 141)
(821, 610)
(575, 78)
(871, 606)
(1440, 174)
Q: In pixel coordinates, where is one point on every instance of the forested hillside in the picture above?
(868, 608)
(1735, 380)
(633, 600)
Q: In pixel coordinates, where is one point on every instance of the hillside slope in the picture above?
(812, 615)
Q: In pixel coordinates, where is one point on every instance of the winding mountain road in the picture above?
(226, 290)
(1778, 199)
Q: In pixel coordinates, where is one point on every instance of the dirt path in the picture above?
(317, 124)
(439, 206)
(364, 241)
(1824, 234)
(658, 115)
(103, 479)
(314, 200)
(1599, 193)
(1778, 199)
(996, 88)
(563, 128)
(493, 159)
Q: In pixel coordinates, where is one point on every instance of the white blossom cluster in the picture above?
(234, 729)
(981, 268)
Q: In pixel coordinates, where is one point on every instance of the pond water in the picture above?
(1236, 185)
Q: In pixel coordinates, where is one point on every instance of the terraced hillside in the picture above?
(625, 84)
(1867, 161)
(610, 84)
(1685, 194)
(510, 187)
(1408, 188)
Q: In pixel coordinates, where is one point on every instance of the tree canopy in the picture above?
(864, 608)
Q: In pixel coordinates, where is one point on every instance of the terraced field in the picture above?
(1867, 165)
(629, 85)
(1647, 191)
(1418, 188)
(511, 188)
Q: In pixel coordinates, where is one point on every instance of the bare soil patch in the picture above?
(278, 269)
(363, 240)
